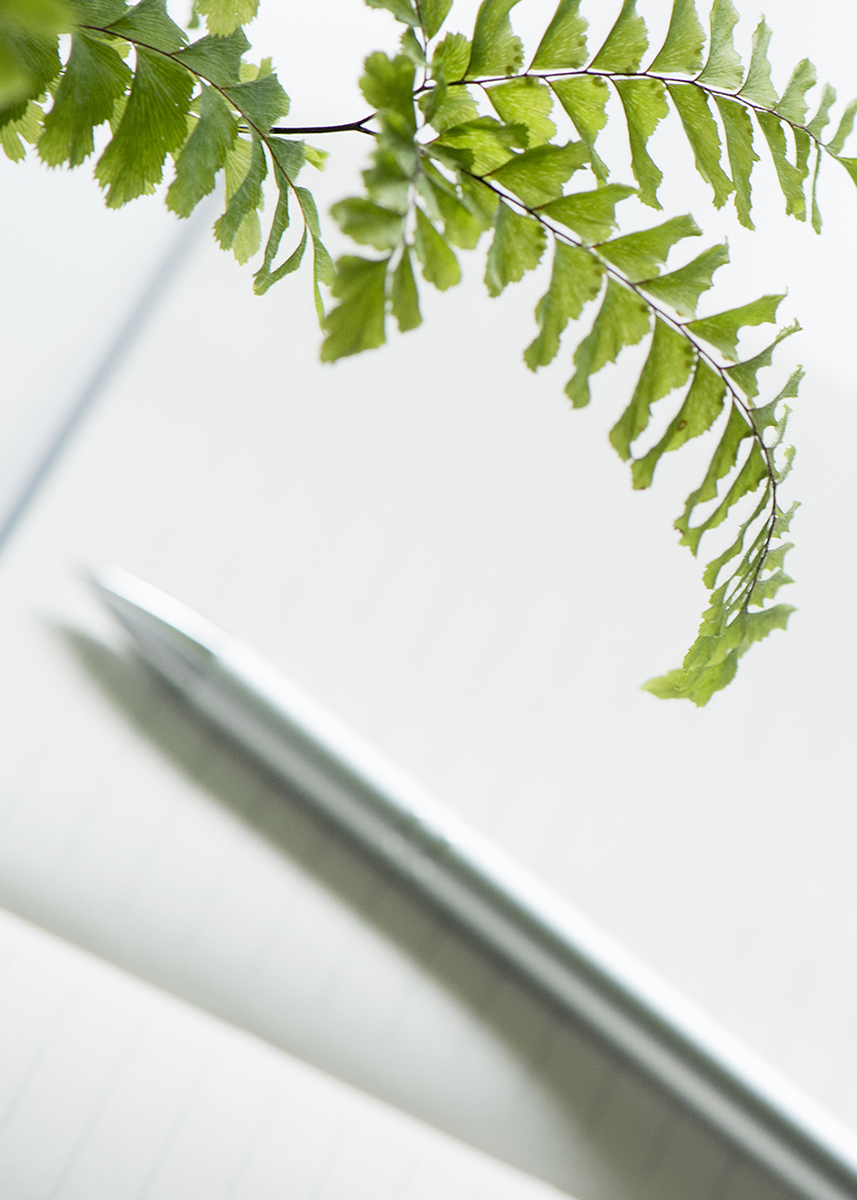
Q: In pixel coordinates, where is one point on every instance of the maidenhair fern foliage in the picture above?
(466, 145)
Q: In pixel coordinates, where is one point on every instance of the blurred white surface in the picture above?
(429, 541)
(110, 1089)
(74, 274)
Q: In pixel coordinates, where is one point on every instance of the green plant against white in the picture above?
(474, 137)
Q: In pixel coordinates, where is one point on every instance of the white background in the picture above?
(471, 582)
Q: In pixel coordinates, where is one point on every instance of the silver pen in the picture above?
(488, 893)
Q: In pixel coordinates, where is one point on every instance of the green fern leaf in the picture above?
(440, 266)
(265, 277)
(745, 373)
(451, 57)
(668, 366)
(789, 455)
(289, 159)
(433, 13)
(591, 214)
(405, 300)
(368, 223)
(816, 212)
(430, 183)
(713, 569)
(154, 124)
(481, 200)
(402, 10)
(388, 83)
(445, 107)
(97, 12)
(819, 122)
(790, 175)
(640, 255)
(701, 130)
(148, 22)
(759, 625)
(751, 474)
(697, 686)
(223, 17)
(768, 587)
(701, 408)
(576, 280)
(722, 461)
(645, 105)
(790, 389)
(774, 558)
(626, 42)
(721, 331)
(685, 41)
(723, 68)
(238, 228)
(388, 181)
(217, 59)
(843, 131)
(739, 144)
(712, 661)
(463, 222)
(783, 520)
(412, 48)
(518, 245)
(28, 63)
(357, 322)
(584, 99)
(803, 147)
(323, 270)
(496, 49)
(203, 154)
(94, 79)
(46, 17)
(524, 102)
(537, 176)
(564, 42)
(757, 86)
(260, 101)
(461, 225)
(850, 165)
(622, 320)
(793, 105)
(486, 143)
(29, 127)
(681, 289)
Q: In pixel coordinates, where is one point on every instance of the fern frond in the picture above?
(446, 171)
(199, 103)
(742, 100)
(505, 173)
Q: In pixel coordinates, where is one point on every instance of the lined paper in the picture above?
(111, 1089)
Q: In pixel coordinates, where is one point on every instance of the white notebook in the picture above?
(112, 1089)
(435, 547)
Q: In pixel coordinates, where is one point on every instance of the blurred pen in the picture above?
(490, 895)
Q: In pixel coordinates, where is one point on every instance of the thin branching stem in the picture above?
(348, 127)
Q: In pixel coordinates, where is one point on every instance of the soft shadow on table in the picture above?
(639, 1144)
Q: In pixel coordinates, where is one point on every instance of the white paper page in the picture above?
(111, 1090)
